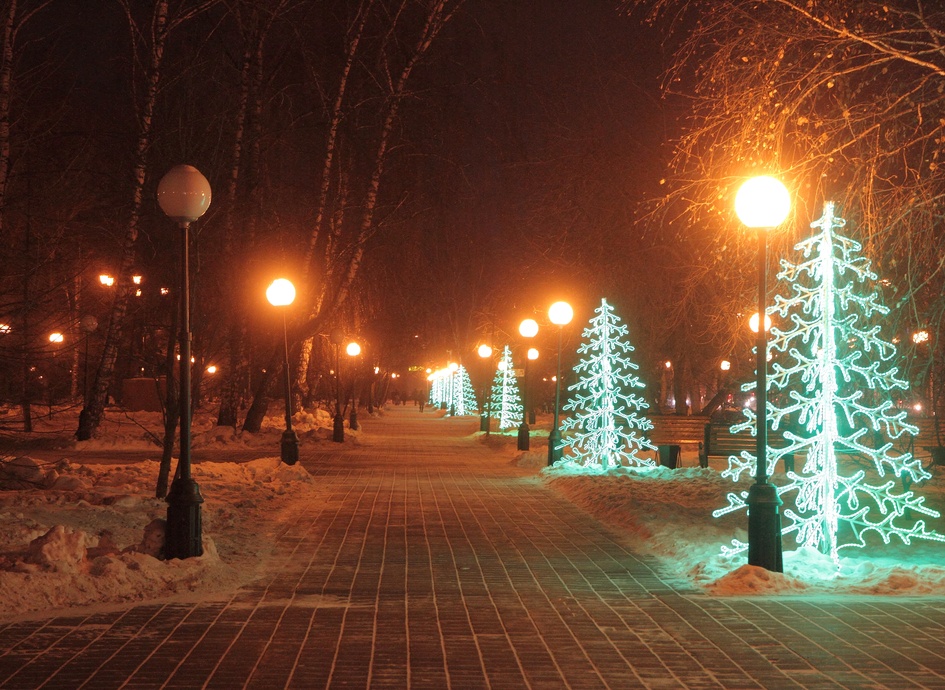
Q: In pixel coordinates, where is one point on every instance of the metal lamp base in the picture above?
(764, 528)
(289, 451)
(554, 452)
(523, 438)
(184, 534)
(338, 432)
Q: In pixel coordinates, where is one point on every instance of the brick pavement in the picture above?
(434, 564)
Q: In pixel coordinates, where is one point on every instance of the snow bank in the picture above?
(93, 534)
(668, 515)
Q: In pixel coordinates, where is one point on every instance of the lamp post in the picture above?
(184, 195)
(353, 349)
(281, 293)
(337, 336)
(527, 329)
(763, 203)
(560, 314)
(485, 414)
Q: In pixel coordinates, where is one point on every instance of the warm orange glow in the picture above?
(484, 351)
(56, 337)
(753, 323)
(452, 366)
(165, 291)
(528, 328)
(762, 202)
(532, 353)
(560, 313)
(725, 365)
(280, 293)
(353, 349)
(106, 280)
(920, 337)
(668, 364)
(212, 369)
(5, 328)
(136, 280)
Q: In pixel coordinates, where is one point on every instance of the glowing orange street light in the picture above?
(281, 293)
(763, 203)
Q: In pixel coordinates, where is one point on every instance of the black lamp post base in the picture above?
(483, 423)
(184, 535)
(554, 453)
(338, 432)
(353, 421)
(289, 451)
(764, 528)
(523, 439)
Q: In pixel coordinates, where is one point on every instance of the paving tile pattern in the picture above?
(431, 564)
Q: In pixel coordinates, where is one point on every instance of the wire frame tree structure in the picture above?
(830, 392)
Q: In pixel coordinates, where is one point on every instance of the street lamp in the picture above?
(527, 329)
(281, 293)
(184, 195)
(763, 203)
(560, 314)
(353, 350)
(337, 336)
(485, 413)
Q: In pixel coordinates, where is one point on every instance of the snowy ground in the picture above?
(81, 534)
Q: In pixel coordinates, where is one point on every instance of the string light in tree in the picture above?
(506, 404)
(605, 429)
(833, 375)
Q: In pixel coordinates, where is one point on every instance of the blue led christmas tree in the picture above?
(462, 395)
(830, 394)
(605, 430)
(506, 403)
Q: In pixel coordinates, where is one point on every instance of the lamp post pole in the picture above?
(337, 337)
(485, 414)
(527, 329)
(560, 314)
(763, 203)
(281, 293)
(353, 349)
(184, 195)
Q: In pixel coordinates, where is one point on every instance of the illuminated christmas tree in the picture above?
(506, 403)
(606, 429)
(463, 397)
(831, 384)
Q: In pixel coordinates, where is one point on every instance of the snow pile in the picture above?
(668, 514)
(99, 540)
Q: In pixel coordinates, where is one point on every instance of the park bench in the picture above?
(719, 441)
(671, 432)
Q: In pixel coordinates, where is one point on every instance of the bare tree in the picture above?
(149, 35)
(337, 242)
(844, 101)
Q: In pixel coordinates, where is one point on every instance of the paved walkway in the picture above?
(435, 565)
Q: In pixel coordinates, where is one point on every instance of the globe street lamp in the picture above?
(337, 336)
(763, 203)
(527, 329)
(281, 293)
(485, 413)
(184, 195)
(560, 314)
(353, 349)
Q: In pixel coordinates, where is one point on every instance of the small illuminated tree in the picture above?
(606, 430)
(505, 402)
(832, 375)
(463, 395)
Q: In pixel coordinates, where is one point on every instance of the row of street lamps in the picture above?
(184, 195)
(560, 314)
